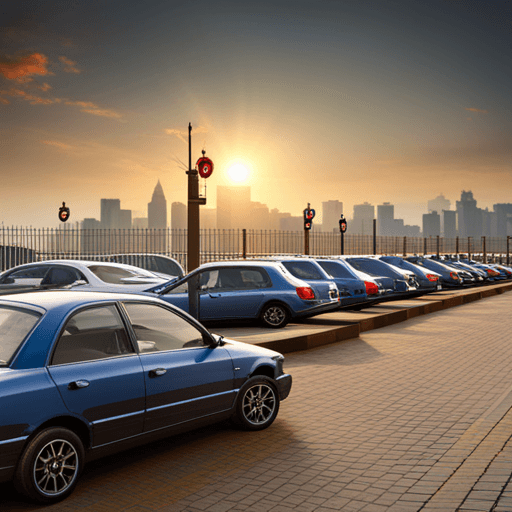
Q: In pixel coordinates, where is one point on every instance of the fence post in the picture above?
(484, 250)
(469, 248)
(244, 243)
(405, 246)
(457, 246)
(508, 251)
(374, 236)
(424, 246)
(437, 246)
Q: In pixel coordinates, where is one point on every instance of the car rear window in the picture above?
(15, 325)
(118, 275)
(373, 267)
(336, 270)
(303, 270)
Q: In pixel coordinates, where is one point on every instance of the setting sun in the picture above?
(238, 173)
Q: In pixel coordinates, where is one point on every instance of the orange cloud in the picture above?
(4, 101)
(56, 144)
(34, 100)
(45, 87)
(478, 110)
(85, 104)
(70, 65)
(102, 112)
(24, 67)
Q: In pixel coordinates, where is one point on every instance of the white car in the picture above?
(80, 274)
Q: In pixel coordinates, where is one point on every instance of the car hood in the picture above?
(239, 348)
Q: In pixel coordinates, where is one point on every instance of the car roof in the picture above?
(241, 263)
(49, 299)
(80, 264)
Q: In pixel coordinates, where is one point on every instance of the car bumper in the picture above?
(284, 385)
(315, 310)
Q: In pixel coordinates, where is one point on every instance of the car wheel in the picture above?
(48, 470)
(274, 315)
(258, 404)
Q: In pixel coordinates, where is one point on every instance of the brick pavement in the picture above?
(414, 416)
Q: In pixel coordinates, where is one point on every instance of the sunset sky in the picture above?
(357, 101)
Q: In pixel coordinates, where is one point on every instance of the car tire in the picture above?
(274, 315)
(48, 469)
(257, 404)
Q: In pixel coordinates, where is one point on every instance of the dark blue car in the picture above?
(84, 374)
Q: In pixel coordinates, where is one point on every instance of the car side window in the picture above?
(158, 329)
(29, 275)
(90, 334)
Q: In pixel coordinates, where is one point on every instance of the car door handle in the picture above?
(157, 372)
(78, 384)
(215, 295)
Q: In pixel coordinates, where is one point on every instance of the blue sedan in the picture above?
(84, 374)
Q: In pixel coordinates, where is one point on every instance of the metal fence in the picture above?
(22, 245)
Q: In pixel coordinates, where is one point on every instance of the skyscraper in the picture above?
(157, 209)
(110, 213)
(178, 216)
(362, 223)
(331, 214)
(386, 219)
(468, 215)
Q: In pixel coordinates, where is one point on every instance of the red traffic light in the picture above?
(343, 224)
(205, 167)
(63, 213)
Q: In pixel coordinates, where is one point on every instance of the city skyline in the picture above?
(391, 101)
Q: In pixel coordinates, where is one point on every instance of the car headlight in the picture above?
(279, 364)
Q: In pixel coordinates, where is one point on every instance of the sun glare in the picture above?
(238, 173)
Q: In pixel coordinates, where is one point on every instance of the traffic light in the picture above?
(343, 224)
(63, 212)
(308, 218)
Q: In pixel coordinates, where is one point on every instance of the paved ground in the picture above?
(413, 416)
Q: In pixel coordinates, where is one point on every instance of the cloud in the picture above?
(69, 65)
(19, 93)
(183, 134)
(478, 110)
(45, 87)
(102, 112)
(57, 144)
(4, 101)
(23, 68)
(84, 104)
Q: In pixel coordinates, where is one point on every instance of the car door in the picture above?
(185, 378)
(99, 374)
(231, 292)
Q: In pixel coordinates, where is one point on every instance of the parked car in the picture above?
(449, 276)
(160, 264)
(428, 280)
(78, 274)
(85, 374)
(351, 288)
(248, 290)
(396, 281)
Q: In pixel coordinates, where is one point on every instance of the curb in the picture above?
(349, 330)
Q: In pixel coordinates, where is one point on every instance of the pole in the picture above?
(484, 250)
(342, 243)
(306, 242)
(374, 236)
(508, 251)
(193, 230)
(437, 246)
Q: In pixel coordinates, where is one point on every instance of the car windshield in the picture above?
(118, 275)
(303, 270)
(336, 270)
(15, 324)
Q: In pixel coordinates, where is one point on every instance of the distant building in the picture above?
(331, 213)
(125, 219)
(431, 224)
(386, 219)
(233, 210)
(208, 218)
(91, 224)
(157, 209)
(438, 204)
(469, 216)
(503, 219)
(140, 223)
(362, 223)
(110, 211)
(449, 223)
(179, 216)
(293, 223)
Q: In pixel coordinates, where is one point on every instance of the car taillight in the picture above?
(492, 273)
(371, 288)
(305, 293)
(454, 275)
(432, 277)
